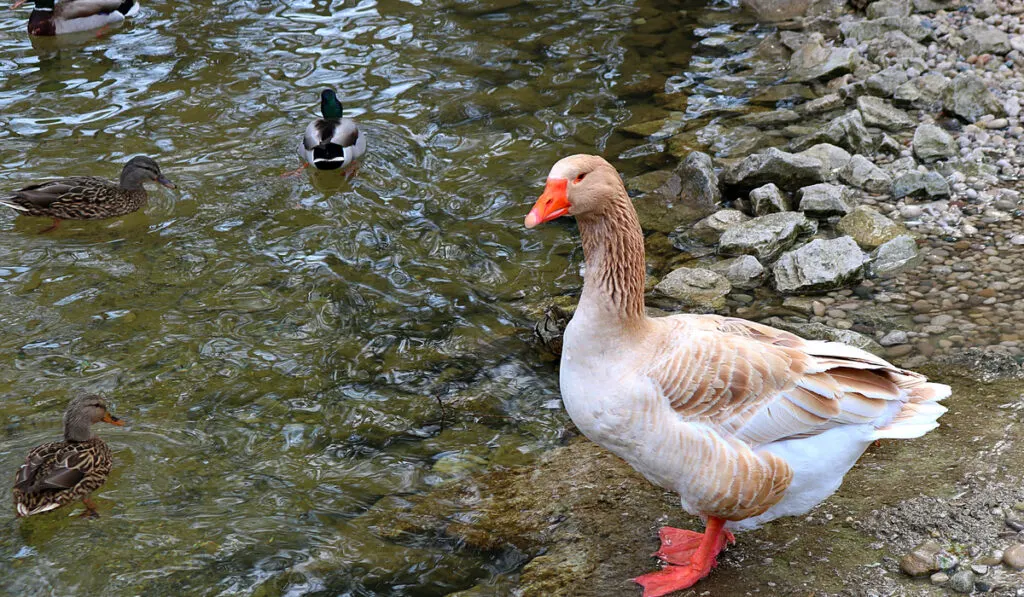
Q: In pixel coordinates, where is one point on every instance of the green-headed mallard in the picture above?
(332, 142)
(58, 473)
(72, 16)
(89, 197)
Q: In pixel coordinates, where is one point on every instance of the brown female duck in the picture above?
(58, 473)
(89, 197)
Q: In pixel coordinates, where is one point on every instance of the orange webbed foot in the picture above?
(690, 557)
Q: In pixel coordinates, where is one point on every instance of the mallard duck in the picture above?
(58, 473)
(745, 422)
(52, 17)
(89, 197)
(332, 142)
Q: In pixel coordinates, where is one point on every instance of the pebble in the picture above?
(939, 578)
(962, 581)
(1014, 557)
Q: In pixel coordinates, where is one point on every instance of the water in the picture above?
(281, 347)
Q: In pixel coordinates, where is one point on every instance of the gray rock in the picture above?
(894, 256)
(894, 48)
(962, 581)
(894, 337)
(768, 199)
(686, 195)
(914, 183)
(767, 236)
(774, 165)
(824, 200)
(847, 131)
(864, 174)
(867, 30)
(939, 578)
(886, 81)
(832, 157)
(772, 119)
(709, 230)
(932, 143)
(744, 272)
(932, 5)
(868, 228)
(818, 331)
(1014, 557)
(815, 60)
(967, 97)
(725, 141)
(984, 39)
(825, 103)
(694, 288)
(878, 112)
(777, 10)
(820, 265)
(888, 8)
(924, 92)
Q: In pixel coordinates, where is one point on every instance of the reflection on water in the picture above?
(281, 346)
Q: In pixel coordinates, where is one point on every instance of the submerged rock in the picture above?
(744, 272)
(774, 165)
(767, 236)
(694, 288)
(894, 256)
(868, 228)
(864, 174)
(932, 143)
(768, 200)
(815, 60)
(1014, 557)
(824, 200)
(969, 98)
(820, 265)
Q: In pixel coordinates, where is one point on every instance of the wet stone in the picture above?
(939, 578)
(868, 228)
(1014, 557)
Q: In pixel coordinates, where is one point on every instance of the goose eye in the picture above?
(580, 178)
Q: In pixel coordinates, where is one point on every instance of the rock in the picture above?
(768, 200)
(939, 578)
(967, 97)
(710, 229)
(894, 337)
(832, 157)
(868, 228)
(772, 119)
(913, 182)
(818, 331)
(867, 30)
(825, 103)
(962, 581)
(774, 165)
(878, 112)
(984, 39)
(1014, 557)
(725, 142)
(694, 288)
(924, 92)
(932, 143)
(744, 272)
(886, 81)
(864, 174)
(815, 60)
(921, 560)
(767, 236)
(820, 265)
(647, 182)
(888, 8)
(847, 131)
(777, 10)
(688, 194)
(932, 5)
(894, 256)
(894, 47)
(824, 200)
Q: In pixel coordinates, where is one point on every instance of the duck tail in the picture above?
(11, 202)
(129, 8)
(328, 156)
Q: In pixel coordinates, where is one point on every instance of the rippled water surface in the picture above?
(281, 347)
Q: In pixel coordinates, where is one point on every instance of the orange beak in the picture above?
(109, 418)
(553, 203)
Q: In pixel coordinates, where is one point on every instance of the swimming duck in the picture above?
(89, 197)
(332, 142)
(58, 473)
(745, 422)
(52, 17)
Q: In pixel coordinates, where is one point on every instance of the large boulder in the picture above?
(694, 288)
(787, 170)
(878, 112)
(825, 200)
(967, 97)
(683, 197)
(816, 60)
(868, 228)
(894, 256)
(767, 236)
(820, 265)
(932, 143)
(862, 173)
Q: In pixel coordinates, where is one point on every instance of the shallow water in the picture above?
(281, 346)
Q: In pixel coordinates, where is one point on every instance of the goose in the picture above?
(332, 142)
(58, 473)
(88, 197)
(52, 17)
(745, 422)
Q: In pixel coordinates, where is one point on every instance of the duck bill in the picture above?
(553, 203)
(17, 4)
(109, 418)
(161, 179)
